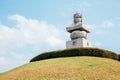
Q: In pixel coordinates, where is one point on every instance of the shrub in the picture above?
(119, 57)
(77, 52)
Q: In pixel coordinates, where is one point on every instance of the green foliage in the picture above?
(119, 57)
(76, 52)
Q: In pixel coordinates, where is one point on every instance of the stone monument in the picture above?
(78, 33)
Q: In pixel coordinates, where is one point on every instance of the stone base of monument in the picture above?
(81, 42)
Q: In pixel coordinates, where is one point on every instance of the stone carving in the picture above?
(77, 20)
(78, 33)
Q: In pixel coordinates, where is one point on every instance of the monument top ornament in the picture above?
(77, 24)
(78, 33)
(77, 18)
(77, 15)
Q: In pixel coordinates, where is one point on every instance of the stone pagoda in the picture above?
(78, 33)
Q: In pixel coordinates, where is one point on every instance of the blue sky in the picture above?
(30, 27)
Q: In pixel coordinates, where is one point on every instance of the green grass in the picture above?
(69, 68)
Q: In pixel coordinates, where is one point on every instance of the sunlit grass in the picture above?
(71, 68)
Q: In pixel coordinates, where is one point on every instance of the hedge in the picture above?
(77, 52)
(119, 57)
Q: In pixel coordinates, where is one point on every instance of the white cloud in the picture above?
(2, 61)
(17, 55)
(103, 28)
(35, 32)
(107, 24)
(96, 44)
(28, 38)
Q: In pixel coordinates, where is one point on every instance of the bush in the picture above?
(119, 57)
(77, 52)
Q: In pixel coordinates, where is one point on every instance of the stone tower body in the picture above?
(78, 33)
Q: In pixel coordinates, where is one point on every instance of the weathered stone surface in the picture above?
(81, 42)
(78, 33)
(78, 27)
(77, 18)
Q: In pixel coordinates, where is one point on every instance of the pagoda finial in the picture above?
(77, 18)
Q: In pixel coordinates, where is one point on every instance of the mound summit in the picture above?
(67, 68)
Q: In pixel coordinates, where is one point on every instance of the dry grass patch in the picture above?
(71, 68)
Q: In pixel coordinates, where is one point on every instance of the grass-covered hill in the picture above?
(69, 64)
(69, 68)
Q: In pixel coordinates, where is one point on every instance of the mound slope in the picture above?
(69, 68)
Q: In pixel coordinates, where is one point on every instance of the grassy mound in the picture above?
(69, 68)
(76, 52)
